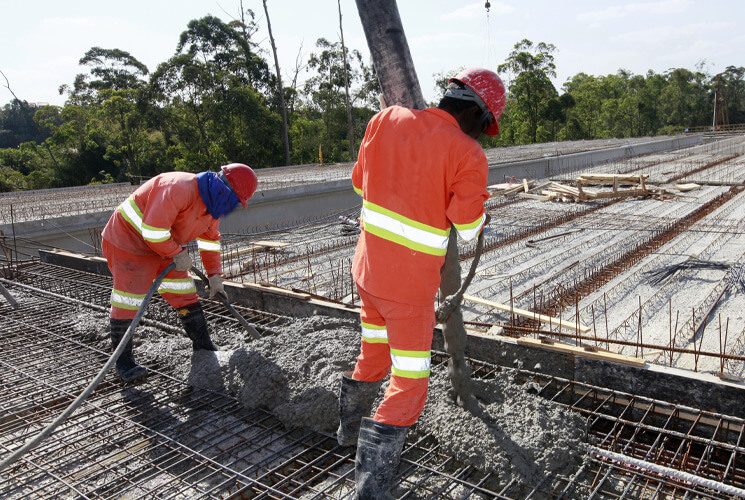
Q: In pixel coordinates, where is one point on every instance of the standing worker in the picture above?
(150, 229)
(417, 171)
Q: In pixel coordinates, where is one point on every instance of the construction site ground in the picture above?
(256, 419)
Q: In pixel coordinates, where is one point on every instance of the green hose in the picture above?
(49, 429)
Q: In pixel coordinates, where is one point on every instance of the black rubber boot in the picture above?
(378, 452)
(126, 366)
(355, 401)
(195, 324)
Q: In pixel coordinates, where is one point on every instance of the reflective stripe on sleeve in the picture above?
(410, 364)
(470, 231)
(404, 231)
(208, 245)
(180, 286)
(374, 334)
(124, 300)
(131, 212)
(357, 190)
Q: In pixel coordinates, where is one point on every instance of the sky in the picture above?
(41, 41)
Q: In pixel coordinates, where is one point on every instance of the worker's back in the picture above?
(417, 172)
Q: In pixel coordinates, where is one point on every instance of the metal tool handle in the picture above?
(246, 325)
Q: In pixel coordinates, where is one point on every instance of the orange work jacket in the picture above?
(417, 172)
(162, 216)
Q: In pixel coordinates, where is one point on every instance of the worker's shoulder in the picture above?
(173, 184)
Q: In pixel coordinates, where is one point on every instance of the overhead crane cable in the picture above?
(489, 43)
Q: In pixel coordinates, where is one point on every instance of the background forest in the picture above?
(217, 100)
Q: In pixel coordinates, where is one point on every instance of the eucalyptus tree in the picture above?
(532, 66)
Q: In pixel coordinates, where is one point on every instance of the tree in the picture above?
(531, 87)
(325, 95)
(110, 69)
(280, 88)
(210, 90)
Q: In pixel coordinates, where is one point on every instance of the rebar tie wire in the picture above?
(94, 383)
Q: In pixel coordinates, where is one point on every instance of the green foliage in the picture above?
(216, 101)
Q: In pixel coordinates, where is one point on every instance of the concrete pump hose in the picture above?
(8, 296)
(94, 383)
(449, 303)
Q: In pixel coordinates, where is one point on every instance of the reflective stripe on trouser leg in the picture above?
(374, 361)
(409, 330)
(178, 289)
(133, 276)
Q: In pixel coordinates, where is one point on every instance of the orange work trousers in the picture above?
(396, 338)
(133, 276)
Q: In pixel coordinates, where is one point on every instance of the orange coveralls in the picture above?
(417, 172)
(147, 231)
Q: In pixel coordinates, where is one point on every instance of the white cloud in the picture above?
(476, 10)
(620, 11)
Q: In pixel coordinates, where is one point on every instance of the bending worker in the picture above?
(417, 171)
(150, 229)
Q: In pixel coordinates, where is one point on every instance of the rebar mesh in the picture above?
(163, 439)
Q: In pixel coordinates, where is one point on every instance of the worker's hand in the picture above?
(216, 286)
(183, 261)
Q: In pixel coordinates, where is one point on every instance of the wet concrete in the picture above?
(519, 436)
(294, 371)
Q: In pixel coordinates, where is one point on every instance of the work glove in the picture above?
(183, 261)
(216, 286)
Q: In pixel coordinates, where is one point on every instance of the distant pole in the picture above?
(350, 125)
(280, 88)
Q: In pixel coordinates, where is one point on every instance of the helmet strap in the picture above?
(221, 176)
(466, 94)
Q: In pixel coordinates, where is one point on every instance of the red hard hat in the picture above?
(241, 179)
(489, 87)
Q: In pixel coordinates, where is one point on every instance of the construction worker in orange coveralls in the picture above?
(418, 171)
(149, 230)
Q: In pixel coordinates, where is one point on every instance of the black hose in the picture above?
(4, 291)
(49, 429)
(449, 303)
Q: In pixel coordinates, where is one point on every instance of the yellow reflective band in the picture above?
(124, 300)
(404, 231)
(374, 334)
(132, 214)
(179, 286)
(357, 190)
(155, 234)
(208, 245)
(470, 231)
(410, 364)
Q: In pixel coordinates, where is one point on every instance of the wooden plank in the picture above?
(270, 244)
(635, 178)
(690, 186)
(266, 287)
(622, 193)
(555, 186)
(533, 196)
(527, 314)
(257, 246)
(581, 351)
(538, 188)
